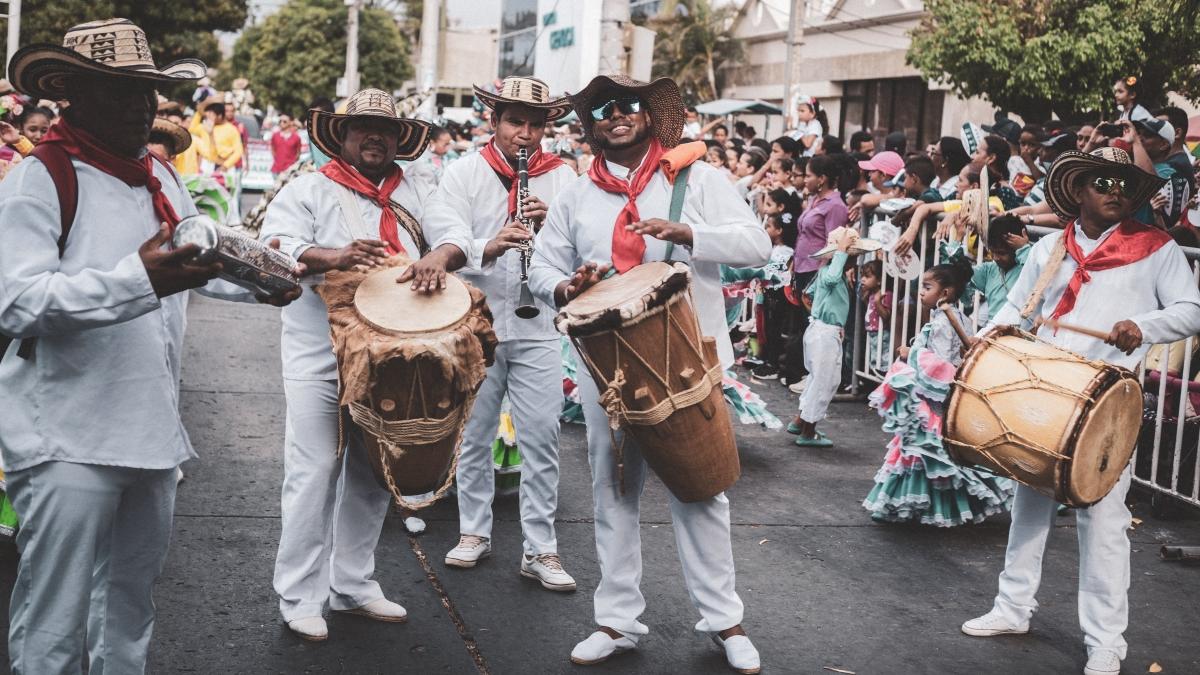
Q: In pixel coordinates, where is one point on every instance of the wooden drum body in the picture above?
(659, 377)
(1043, 416)
(409, 365)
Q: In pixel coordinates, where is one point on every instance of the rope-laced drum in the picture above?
(409, 365)
(1046, 417)
(659, 377)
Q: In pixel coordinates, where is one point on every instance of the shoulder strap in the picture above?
(677, 193)
(353, 217)
(1057, 254)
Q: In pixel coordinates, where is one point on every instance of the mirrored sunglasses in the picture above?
(1107, 185)
(628, 105)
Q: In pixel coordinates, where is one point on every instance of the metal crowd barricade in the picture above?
(1166, 459)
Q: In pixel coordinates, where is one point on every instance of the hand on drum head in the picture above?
(1125, 336)
(428, 275)
(288, 297)
(366, 252)
(664, 230)
(588, 275)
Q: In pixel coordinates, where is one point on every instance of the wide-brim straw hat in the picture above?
(527, 91)
(180, 138)
(859, 246)
(1140, 186)
(327, 130)
(111, 47)
(662, 98)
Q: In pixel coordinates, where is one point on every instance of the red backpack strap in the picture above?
(66, 184)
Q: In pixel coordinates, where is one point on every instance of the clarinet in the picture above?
(526, 309)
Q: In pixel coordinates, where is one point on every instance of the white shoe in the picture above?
(1102, 662)
(311, 628)
(740, 653)
(470, 550)
(380, 610)
(798, 387)
(599, 646)
(548, 569)
(991, 624)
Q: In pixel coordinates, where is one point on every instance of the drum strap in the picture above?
(358, 227)
(1057, 254)
(678, 191)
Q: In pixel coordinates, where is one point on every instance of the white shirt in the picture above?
(948, 190)
(468, 209)
(1157, 293)
(306, 213)
(103, 385)
(579, 228)
(1016, 166)
(810, 128)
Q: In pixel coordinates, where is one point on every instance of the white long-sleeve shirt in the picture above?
(306, 213)
(579, 229)
(1157, 293)
(468, 209)
(103, 386)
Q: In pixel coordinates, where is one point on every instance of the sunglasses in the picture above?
(628, 105)
(1107, 185)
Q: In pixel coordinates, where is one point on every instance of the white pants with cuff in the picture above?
(93, 540)
(823, 360)
(530, 371)
(1103, 531)
(332, 509)
(701, 536)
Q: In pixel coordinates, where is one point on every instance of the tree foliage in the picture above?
(1037, 57)
(299, 53)
(692, 43)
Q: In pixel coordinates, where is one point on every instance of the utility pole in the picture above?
(614, 16)
(351, 77)
(14, 29)
(791, 71)
(431, 30)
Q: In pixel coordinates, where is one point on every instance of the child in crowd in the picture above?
(823, 338)
(878, 316)
(1008, 244)
(773, 311)
(918, 481)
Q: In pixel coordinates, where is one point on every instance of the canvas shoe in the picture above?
(599, 647)
(380, 610)
(1102, 662)
(798, 387)
(311, 628)
(992, 624)
(548, 569)
(740, 653)
(470, 550)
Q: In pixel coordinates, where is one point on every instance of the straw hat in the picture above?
(328, 129)
(1140, 185)
(662, 97)
(527, 91)
(859, 246)
(111, 47)
(180, 138)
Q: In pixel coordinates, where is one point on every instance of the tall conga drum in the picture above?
(409, 365)
(659, 377)
(1064, 425)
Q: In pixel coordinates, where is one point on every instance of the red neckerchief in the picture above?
(1131, 242)
(133, 172)
(347, 176)
(539, 163)
(627, 247)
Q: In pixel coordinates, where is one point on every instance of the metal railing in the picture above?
(1166, 457)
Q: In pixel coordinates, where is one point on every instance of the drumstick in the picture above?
(954, 323)
(1055, 324)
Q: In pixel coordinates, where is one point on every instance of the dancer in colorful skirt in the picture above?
(918, 481)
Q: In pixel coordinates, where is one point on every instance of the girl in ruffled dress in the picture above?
(918, 481)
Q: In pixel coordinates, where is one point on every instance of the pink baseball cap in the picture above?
(887, 161)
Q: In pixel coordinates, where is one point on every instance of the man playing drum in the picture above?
(359, 209)
(1105, 271)
(613, 216)
(472, 220)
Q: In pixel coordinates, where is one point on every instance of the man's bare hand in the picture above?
(1125, 336)
(511, 236)
(535, 209)
(427, 274)
(588, 275)
(287, 297)
(171, 272)
(366, 252)
(664, 230)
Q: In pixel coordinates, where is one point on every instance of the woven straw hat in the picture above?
(662, 97)
(527, 91)
(859, 246)
(111, 47)
(328, 129)
(180, 138)
(1140, 185)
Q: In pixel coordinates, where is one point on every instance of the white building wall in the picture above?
(567, 67)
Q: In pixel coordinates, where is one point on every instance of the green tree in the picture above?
(174, 32)
(1037, 57)
(692, 44)
(299, 52)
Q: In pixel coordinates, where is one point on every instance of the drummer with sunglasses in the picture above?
(1105, 271)
(612, 218)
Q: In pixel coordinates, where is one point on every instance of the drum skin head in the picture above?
(395, 308)
(1106, 441)
(617, 291)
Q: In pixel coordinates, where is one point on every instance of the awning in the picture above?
(730, 106)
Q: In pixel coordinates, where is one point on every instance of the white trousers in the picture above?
(332, 509)
(93, 540)
(530, 371)
(823, 359)
(1103, 530)
(701, 536)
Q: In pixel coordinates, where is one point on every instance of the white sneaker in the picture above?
(311, 628)
(991, 624)
(1102, 662)
(740, 653)
(380, 610)
(798, 387)
(470, 550)
(548, 569)
(599, 646)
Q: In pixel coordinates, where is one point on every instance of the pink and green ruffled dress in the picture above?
(918, 481)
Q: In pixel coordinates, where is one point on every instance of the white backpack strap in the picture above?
(352, 217)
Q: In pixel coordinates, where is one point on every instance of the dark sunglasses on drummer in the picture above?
(1107, 185)
(628, 105)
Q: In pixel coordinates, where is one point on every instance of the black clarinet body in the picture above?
(526, 309)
